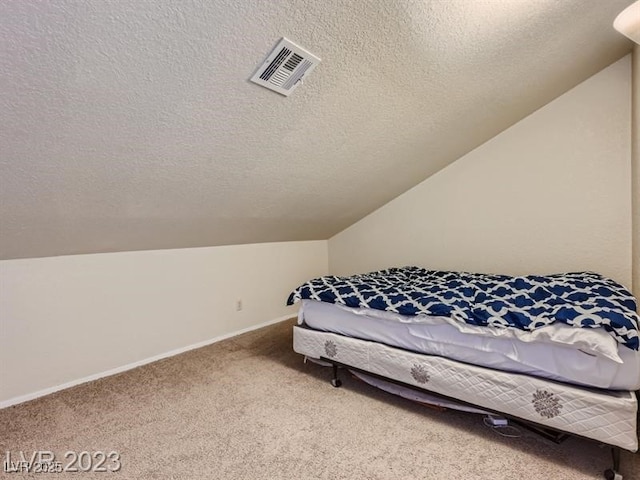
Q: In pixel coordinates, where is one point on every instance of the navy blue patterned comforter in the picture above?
(583, 299)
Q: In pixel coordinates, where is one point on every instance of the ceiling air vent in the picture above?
(285, 67)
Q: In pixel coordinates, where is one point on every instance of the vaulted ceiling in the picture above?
(132, 125)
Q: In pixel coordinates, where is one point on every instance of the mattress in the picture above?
(547, 360)
(606, 416)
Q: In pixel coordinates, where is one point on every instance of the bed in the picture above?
(559, 352)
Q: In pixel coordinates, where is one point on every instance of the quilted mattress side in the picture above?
(606, 416)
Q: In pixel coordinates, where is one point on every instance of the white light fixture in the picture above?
(628, 22)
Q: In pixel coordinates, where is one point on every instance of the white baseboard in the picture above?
(124, 368)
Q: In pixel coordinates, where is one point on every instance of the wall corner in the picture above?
(635, 170)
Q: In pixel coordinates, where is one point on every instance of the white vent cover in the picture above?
(284, 68)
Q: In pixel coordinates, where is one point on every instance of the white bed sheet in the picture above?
(555, 362)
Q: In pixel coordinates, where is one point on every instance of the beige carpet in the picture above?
(248, 408)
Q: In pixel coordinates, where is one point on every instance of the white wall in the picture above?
(66, 318)
(550, 194)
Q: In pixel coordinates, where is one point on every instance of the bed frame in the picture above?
(427, 373)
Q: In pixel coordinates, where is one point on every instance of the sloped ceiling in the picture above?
(131, 125)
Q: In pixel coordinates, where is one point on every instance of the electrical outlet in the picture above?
(238, 305)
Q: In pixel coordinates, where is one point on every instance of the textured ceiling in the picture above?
(132, 125)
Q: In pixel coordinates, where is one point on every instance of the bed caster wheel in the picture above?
(336, 382)
(612, 475)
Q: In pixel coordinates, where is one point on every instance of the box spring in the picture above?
(608, 416)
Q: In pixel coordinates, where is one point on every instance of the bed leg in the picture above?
(335, 381)
(612, 473)
(615, 455)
